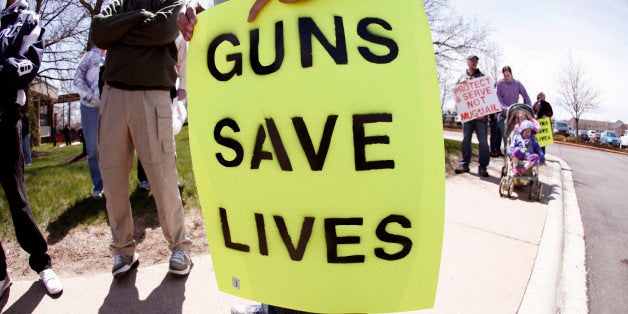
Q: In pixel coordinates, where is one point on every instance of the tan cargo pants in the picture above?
(141, 121)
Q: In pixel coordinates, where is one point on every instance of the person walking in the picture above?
(86, 85)
(542, 109)
(136, 115)
(66, 135)
(508, 91)
(21, 46)
(478, 125)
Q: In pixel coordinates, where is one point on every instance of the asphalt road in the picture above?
(601, 181)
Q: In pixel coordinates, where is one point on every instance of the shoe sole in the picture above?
(124, 269)
(182, 272)
(55, 292)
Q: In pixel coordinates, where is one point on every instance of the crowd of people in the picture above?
(517, 145)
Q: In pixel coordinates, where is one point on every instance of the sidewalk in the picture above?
(499, 256)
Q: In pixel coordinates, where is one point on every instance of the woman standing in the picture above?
(508, 91)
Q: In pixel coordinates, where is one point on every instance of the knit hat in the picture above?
(526, 125)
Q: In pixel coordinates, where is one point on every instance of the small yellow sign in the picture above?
(545, 136)
(317, 146)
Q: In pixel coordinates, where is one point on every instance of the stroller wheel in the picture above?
(532, 189)
(504, 171)
(502, 187)
(511, 187)
(539, 191)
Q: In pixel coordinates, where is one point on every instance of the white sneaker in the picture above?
(247, 309)
(5, 284)
(97, 195)
(51, 281)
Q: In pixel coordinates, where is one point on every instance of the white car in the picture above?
(624, 140)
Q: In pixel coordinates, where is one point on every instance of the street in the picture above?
(600, 180)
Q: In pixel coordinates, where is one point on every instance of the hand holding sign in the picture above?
(259, 4)
(187, 16)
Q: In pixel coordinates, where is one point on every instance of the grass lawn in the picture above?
(59, 190)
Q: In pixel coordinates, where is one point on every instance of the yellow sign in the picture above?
(545, 136)
(316, 139)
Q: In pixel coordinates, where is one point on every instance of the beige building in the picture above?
(600, 126)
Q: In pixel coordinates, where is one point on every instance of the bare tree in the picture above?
(67, 29)
(491, 63)
(575, 92)
(454, 37)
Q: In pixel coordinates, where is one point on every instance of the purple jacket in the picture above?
(508, 93)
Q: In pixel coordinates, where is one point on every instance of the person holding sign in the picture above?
(479, 125)
(543, 109)
(508, 91)
(187, 20)
(136, 115)
(187, 16)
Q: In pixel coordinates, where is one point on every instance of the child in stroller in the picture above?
(523, 153)
(524, 147)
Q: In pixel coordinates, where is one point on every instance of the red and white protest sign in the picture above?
(476, 98)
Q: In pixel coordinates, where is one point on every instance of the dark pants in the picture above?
(279, 310)
(141, 175)
(12, 178)
(496, 136)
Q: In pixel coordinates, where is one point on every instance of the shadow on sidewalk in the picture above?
(28, 302)
(88, 209)
(168, 297)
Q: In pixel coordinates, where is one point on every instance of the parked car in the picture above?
(572, 133)
(594, 137)
(609, 137)
(583, 135)
(624, 139)
(561, 128)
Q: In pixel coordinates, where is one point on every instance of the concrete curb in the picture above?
(558, 279)
(541, 293)
(573, 281)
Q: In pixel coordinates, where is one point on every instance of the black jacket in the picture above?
(21, 47)
(543, 108)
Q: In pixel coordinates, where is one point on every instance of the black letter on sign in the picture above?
(368, 36)
(383, 235)
(296, 254)
(275, 139)
(333, 240)
(261, 234)
(307, 29)
(227, 234)
(360, 141)
(258, 153)
(211, 56)
(279, 51)
(316, 160)
(228, 142)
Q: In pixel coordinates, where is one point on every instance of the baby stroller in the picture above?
(508, 179)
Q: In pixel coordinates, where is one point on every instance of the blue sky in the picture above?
(537, 36)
